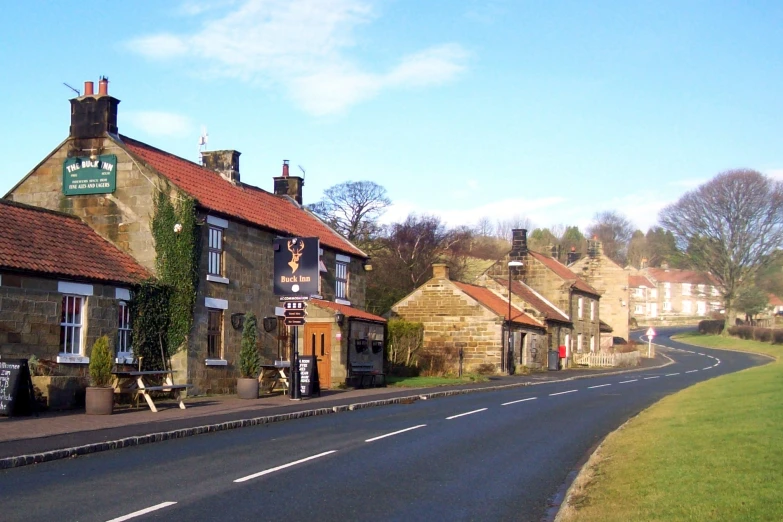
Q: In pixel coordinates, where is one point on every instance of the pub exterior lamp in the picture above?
(506, 363)
(339, 318)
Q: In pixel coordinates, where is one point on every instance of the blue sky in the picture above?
(549, 111)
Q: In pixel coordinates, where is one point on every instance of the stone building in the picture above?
(612, 281)
(559, 286)
(460, 316)
(674, 296)
(112, 182)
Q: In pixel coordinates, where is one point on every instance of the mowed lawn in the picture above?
(711, 452)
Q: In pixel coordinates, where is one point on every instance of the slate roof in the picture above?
(535, 300)
(245, 202)
(60, 245)
(348, 311)
(563, 272)
(637, 281)
(497, 304)
(674, 275)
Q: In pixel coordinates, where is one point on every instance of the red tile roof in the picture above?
(497, 304)
(535, 300)
(775, 300)
(56, 244)
(563, 272)
(637, 281)
(674, 275)
(242, 201)
(348, 311)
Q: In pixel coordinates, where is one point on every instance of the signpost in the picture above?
(650, 335)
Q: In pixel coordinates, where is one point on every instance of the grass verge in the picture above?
(711, 452)
(423, 382)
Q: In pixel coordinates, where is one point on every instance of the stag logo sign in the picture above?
(296, 266)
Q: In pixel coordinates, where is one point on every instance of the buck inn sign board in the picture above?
(296, 266)
(94, 175)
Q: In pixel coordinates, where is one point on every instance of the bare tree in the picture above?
(730, 227)
(614, 231)
(503, 227)
(353, 208)
(484, 227)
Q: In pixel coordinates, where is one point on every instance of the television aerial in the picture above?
(202, 141)
(303, 172)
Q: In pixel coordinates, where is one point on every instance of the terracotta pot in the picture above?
(99, 401)
(247, 388)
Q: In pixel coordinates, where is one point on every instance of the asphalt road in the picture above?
(486, 456)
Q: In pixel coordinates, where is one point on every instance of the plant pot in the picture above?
(247, 388)
(99, 401)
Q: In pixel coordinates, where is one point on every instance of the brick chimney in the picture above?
(93, 115)
(594, 247)
(518, 243)
(573, 256)
(287, 185)
(440, 270)
(224, 162)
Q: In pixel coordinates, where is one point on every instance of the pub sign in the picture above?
(296, 266)
(90, 176)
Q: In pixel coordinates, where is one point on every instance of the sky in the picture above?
(550, 111)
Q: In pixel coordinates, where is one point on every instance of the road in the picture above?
(499, 455)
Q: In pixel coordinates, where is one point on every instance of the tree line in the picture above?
(731, 226)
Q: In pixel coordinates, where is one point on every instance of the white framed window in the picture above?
(215, 251)
(579, 307)
(687, 307)
(686, 289)
(701, 308)
(715, 291)
(592, 310)
(653, 293)
(653, 309)
(579, 343)
(701, 289)
(667, 306)
(592, 344)
(638, 292)
(667, 285)
(638, 309)
(72, 325)
(124, 346)
(341, 280)
(667, 293)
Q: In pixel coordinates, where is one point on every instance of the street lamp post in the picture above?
(507, 354)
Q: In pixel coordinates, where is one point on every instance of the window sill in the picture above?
(343, 302)
(124, 359)
(217, 279)
(216, 362)
(67, 358)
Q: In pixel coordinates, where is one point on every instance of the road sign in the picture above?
(294, 321)
(294, 305)
(650, 332)
(295, 313)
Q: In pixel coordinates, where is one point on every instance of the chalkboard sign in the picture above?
(308, 376)
(16, 388)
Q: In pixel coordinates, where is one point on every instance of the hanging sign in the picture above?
(296, 266)
(90, 176)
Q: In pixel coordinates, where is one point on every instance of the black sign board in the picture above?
(308, 376)
(294, 321)
(16, 388)
(296, 266)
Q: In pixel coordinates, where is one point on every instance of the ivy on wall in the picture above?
(150, 312)
(177, 249)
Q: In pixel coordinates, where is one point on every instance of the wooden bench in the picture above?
(365, 374)
(136, 382)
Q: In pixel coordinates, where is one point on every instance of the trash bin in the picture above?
(553, 360)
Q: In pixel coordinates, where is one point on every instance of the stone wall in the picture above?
(611, 281)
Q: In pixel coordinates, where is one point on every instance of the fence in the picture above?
(607, 359)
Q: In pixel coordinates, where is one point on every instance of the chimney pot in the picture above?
(103, 86)
(88, 89)
(285, 168)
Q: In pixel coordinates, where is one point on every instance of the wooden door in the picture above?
(318, 342)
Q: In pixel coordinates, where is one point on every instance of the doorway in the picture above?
(318, 342)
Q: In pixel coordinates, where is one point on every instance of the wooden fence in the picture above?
(607, 359)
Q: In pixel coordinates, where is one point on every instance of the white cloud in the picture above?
(157, 123)
(301, 45)
(774, 173)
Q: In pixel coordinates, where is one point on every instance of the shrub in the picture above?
(101, 363)
(763, 334)
(711, 327)
(405, 340)
(249, 358)
(745, 332)
(734, 331)
(437, 361)
(777, 337)
(486, 369)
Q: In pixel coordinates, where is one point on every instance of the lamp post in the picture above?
(507, 354)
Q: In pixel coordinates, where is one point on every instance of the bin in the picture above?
(553, 360)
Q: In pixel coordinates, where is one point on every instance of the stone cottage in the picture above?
(112, 182)
(612, 281)
(460, 316)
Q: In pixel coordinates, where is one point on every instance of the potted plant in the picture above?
(99, 399)
(249, 360)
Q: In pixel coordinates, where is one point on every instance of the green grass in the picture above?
(424, 382)
(711, 452)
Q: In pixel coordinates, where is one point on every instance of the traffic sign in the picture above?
(295, 313)
(294, 305)
(650, 332)
(294, 321)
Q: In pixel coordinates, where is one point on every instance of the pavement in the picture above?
(57, 435)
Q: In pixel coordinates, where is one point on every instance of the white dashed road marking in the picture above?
(395, 433)
(142, 512)
(671, 374)
(520, 400)
(691, 371)
(562, 393)
(707, 368)
(466, 413)
(278, 468)
(632, 380)
(656, 377)
(598, 386)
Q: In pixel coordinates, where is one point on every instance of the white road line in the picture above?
(691, 371)
(395, 433)
(278, 468)
(670, 374)
(707, 368)
(632, 380)
(520, 400)
(717, 363)
(699, 353)
(142, 512)
(562, 393)
(656, 377)
(466, 413)
(598, 386)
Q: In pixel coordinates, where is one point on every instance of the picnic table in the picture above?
(274, 376)
(142, 382)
